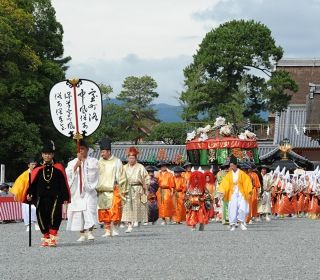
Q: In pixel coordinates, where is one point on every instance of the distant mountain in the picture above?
(172, 113)
(168, 113)
(165, 112)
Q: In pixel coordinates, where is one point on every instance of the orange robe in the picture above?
(164, 196)
(285, 205)
(187, 176)
(115, 212)
(294, 202)
(314, 207)
(301, 200)
(276, 196)
(178, 198)
(199, 216)
(307, 198)
(253, 201)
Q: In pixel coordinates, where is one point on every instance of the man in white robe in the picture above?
(82, 211)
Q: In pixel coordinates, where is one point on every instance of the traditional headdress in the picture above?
(178, 169)
(233, 159)
(151, 168)
(132, 151)
(211, 176)
(187, 163)
(83, 144)
(162, 163)
(197, 180)
(264, 166)
(48, 147)
(277, 170)
(215, 169)
(287, 176)
(200, 169)
(245, 165)
(105, 144)
(225, 165)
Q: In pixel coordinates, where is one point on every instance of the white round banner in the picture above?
(76, 106)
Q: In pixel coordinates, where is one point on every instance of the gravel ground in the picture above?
(282, 249)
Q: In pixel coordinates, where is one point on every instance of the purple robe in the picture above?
(153, 211)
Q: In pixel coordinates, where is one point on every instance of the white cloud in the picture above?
(113, 72)
(112, 39)
(294, 23)
(113, 29)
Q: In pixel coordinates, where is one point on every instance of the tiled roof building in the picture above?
(291, 123)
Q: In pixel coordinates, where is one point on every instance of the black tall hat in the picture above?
(215, 167)
(187, 163)
(178, 169)
(151, 168)
(244, 165)
(225, 164)
(233, 160)
(105, 144)
(264, 166)
(83, 143)
(163, 163)
(49, 147)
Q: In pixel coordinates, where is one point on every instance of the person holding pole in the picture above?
(112, 188)
(48, 190)
(82, 211)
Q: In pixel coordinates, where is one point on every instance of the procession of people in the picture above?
(109, 193)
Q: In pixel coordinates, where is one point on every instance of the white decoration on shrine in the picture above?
(191, 136)
(220, 121)
(226, 130)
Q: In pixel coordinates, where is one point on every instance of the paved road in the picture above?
(282, 249)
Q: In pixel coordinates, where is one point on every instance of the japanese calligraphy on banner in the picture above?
(76, 107)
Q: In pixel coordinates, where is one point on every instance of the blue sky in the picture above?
(112, 39)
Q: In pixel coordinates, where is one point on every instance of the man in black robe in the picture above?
(49, 190)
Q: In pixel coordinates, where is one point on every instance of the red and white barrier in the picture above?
(10, 209)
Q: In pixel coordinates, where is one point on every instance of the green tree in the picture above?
(137, 94)
(31, 62)
(115, 124)
(115, 121)
(169, 133)
(106, 90)
(233, 71)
